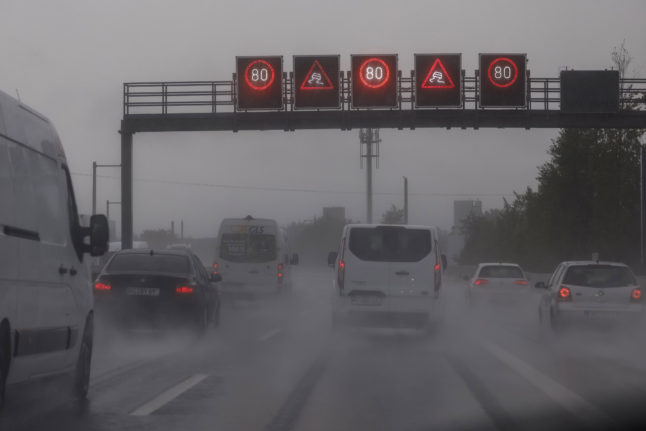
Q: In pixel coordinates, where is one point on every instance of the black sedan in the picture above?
(158, 288)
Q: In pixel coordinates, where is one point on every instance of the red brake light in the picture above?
(215, 268)
(341, 275)
(184, 290)
(565, 294)
(102, 286)
(481, 281)
(280, 266)
(280, 275)
(636, 294)
(521, 282)
(437, 267)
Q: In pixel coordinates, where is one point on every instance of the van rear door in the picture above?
(411, 257)
(366, 267)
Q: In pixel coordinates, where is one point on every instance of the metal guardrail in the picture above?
(204, 97)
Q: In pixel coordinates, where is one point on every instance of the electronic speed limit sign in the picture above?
(259, 82)
(374, 81)
(503, 80)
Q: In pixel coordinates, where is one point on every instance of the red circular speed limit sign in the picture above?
(259, 75)
(374, 73)
(502, 72)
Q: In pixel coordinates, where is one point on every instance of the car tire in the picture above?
(84, 362)
(216, 315)
(202, 322)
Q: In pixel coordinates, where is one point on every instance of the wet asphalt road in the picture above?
(275, 364)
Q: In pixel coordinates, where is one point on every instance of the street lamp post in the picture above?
(405, 200)
(94, 166)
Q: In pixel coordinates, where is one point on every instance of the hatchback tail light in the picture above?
(565, 294)
(636, 295)
(481, 281)
(99, 285)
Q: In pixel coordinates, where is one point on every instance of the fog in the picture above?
(69, 60)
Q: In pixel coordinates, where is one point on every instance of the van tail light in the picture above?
(481, 281)
(565, 294)
(636, 295)
(521, 282)
(341, 275)
(184, 290)
(216, 268)
(99, 285)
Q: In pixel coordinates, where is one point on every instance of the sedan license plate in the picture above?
(142, 291)
(365, 300)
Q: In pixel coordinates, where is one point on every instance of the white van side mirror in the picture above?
(99, 234)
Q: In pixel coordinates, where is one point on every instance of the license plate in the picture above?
(366, 300)
(142, 291)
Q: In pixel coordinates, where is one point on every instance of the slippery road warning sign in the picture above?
(438, 80)
(316, 78)
(316, 82)
(438, 77)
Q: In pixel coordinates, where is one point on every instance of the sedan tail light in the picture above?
(99, 285)
(184, 290)
(636, 295)
(521, 282)
(565, 294)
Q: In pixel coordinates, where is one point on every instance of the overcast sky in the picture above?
(69, 58)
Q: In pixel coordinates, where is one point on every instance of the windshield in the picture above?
(243, 248)
(165, 263)
(599, 276)
(390, 244)
(501, 271)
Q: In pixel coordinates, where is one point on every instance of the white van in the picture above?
(46, 300)
(252, 255)
(387, 276)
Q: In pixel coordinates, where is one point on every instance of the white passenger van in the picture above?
(252, 255)
(46, 301)
(387, 276)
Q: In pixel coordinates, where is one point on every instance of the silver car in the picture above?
(590, 289)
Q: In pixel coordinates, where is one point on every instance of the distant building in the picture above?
(335, 213)
(463, 209)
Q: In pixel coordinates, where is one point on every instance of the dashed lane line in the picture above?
(571, 401)
(168, 395)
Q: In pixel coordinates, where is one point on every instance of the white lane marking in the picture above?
(168, 395)
(270, 334)
(571, 401)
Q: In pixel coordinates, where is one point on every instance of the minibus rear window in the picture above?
(390, 243)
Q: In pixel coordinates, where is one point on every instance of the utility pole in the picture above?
(405, 200)
(367, 137)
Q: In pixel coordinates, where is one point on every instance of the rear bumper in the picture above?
(128, 313)
(411, 311)
(571, 309)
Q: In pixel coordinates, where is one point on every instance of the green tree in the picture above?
(393, 215)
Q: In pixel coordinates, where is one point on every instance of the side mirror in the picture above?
(445, 263)
(540, 285)
(99, 234)
(215, 278)
(331, 258)
(295, 259)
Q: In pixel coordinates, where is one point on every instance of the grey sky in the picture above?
(68, 59)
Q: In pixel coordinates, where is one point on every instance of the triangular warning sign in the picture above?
(438, 77)
(317, 79)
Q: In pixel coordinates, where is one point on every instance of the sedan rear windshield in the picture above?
(167, 263)
(501, 271)
(599, 276)
(390, 243)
